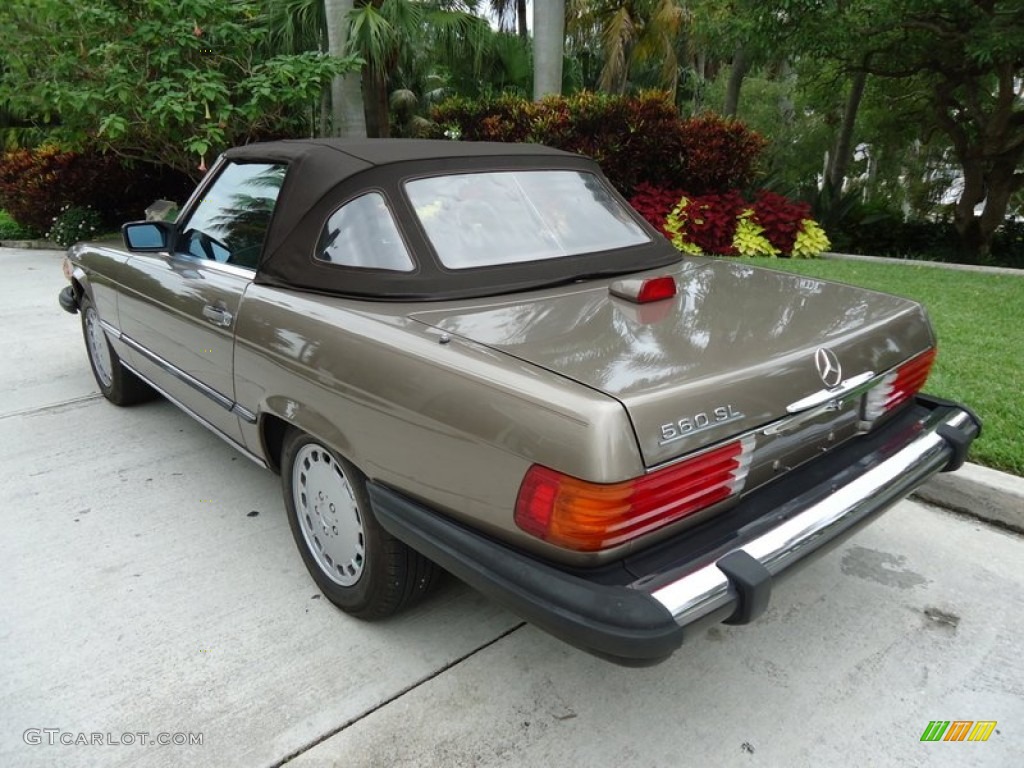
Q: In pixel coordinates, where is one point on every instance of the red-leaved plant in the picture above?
(708, 223)
(655, 203)
(780, 217)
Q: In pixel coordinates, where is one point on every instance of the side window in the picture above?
(231, 221)
(362, 233)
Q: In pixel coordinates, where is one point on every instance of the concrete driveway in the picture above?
(150, 586)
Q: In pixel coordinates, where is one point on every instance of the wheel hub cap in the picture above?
(98, 349)
(328, 514)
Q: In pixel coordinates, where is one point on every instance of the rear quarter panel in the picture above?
(454, 424)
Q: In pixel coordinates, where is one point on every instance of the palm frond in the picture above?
(618, 38)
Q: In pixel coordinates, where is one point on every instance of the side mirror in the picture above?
(147, 235)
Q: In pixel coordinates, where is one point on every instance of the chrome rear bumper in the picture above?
(636, 611)
(690, 594)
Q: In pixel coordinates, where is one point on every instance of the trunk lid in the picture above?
(728, 354)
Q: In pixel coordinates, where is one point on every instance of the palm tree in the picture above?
(548, 46)
(632, 33)
(392, 36)
(346, 94)
(412, 44)
(512, 16)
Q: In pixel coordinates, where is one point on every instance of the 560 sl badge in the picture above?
(699, 422)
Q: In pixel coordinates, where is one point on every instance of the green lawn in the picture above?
(979, 320)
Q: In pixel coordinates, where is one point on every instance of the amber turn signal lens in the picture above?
(587, 517)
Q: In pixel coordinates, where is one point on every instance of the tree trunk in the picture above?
(993, 183)
(787, 109)
(548, 46)
(346, 95)
(378, 122)
(700, 61)
(325, 112)
(524, 31)
(740, 65)
(844, 141)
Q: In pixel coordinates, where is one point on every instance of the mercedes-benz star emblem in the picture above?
(829, 369)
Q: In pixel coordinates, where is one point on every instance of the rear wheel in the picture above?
(358, 565)
(119, 385)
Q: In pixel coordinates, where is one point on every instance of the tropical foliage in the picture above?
(727, 224)
(170, 83)
(907, 112)
(635, 139)
(37, 184)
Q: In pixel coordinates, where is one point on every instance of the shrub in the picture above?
(636, 140)
(716, 154)
(10, 229)
(35, 184)
(73, 224)
(706, 224)
(726, 224)
(781, 218)
(931, 240)
(810, 241)
(655, 203)
(491, 118)
(750, 239)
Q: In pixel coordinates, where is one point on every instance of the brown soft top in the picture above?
(323, 174)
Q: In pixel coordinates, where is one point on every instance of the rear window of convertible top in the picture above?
(505, 217)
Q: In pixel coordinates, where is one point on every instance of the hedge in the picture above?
(635, 139)
(37, 184)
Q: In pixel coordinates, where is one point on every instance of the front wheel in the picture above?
(358, 565)
(119, 385)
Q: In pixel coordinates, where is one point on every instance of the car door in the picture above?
(178, 308)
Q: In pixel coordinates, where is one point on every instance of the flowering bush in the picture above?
(72, 224)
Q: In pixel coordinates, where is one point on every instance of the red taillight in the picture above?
(656, 289)
(644, 291)
(899, 385)
(584, 516)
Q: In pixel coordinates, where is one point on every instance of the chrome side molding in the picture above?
(233, 443)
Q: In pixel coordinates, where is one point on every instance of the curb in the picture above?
(986, 494)
(923, 263)
(42, 245)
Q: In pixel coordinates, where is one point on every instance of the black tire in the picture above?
(119, 385)
(379, 575)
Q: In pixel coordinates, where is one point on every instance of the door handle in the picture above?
(217, 315)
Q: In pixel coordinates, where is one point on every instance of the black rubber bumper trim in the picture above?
(751, 580)
(67, 300)
(623, 625)
(959, 440)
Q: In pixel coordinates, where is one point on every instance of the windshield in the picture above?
(505, 217)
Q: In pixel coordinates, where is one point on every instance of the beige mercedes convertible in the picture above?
(477, 357)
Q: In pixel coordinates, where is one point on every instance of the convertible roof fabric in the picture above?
(325, 173)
